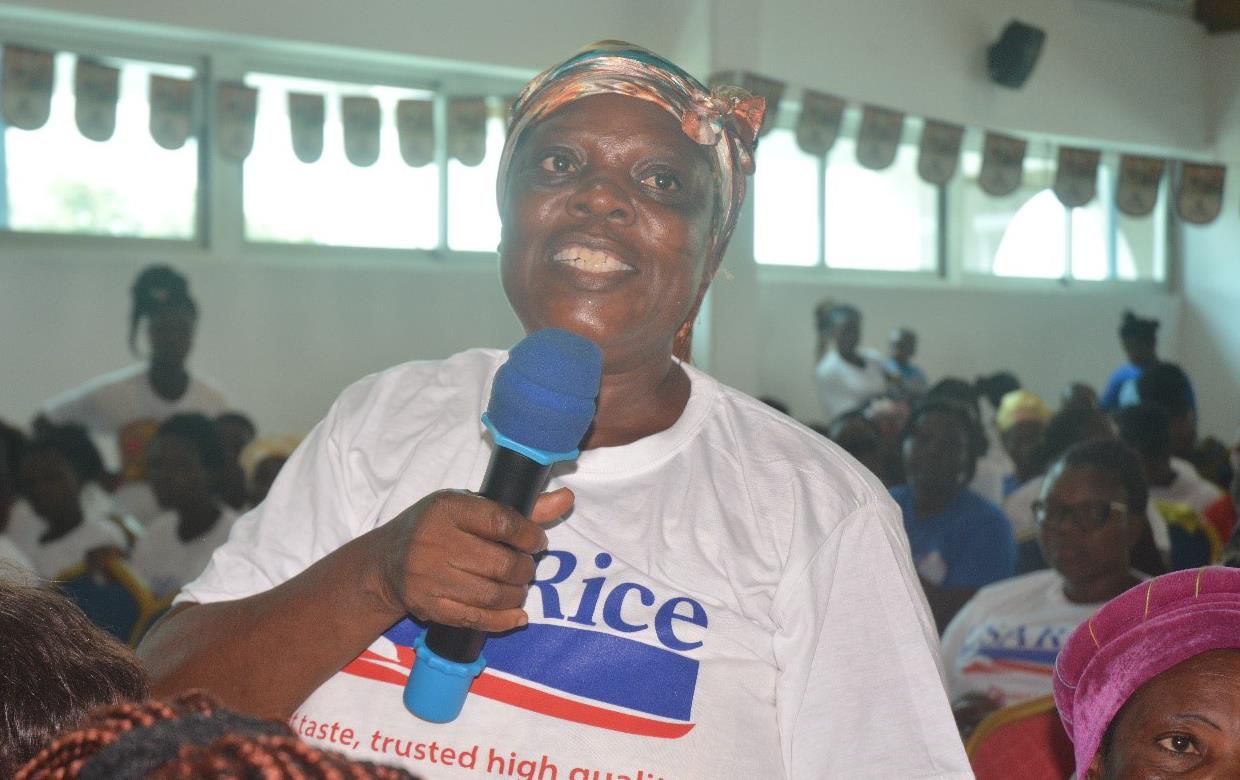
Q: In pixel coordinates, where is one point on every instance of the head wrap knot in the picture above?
(726, 108)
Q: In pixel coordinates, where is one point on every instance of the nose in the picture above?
(601, 197)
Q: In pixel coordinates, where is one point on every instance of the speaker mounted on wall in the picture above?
(1012, 57)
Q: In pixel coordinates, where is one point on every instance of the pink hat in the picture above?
(1136, 636)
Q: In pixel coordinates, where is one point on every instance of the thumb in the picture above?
(552, 506)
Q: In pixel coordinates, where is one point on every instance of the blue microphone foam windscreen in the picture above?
(543, 396)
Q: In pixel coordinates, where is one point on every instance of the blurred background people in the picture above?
(905, 378)
(847, 375)
(1021, 421)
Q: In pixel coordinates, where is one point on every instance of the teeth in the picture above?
(591, 260)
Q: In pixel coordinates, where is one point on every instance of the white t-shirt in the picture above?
(95, 530)
(166, 562)
(1004, 641)
(107, 403)
(843, 386)
(1019, 508)
(1188, 489)
(730, 597)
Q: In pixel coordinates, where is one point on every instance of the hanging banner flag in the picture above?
(939, 155)
(415, 123)
(172, 111)
(361, 118)
(96, 88)
(306, 115)
(236, 107)
(879, 137)
(770, 89)
(467, 130)
(1136, 192)
(1199, 196)
(1076, 176)
(819, 124)
(1003, 164)
(27, 86)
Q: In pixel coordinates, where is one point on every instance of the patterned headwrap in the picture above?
(726, 119)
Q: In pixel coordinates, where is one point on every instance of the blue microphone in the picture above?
(542, 404)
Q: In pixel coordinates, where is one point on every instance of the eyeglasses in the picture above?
(1085, 516)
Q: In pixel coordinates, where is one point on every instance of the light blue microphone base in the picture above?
(437, 687)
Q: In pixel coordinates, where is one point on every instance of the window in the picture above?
(331, 201)
(840, 214)
(473, 216)
(125, 186)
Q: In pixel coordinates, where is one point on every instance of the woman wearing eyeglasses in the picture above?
(1000, 649)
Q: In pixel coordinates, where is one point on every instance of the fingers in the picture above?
(449, 612)
(495, 523)
(552, 506)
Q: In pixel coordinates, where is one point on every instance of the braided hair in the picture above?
(158, 287)
(191, 736)
(1139, 329)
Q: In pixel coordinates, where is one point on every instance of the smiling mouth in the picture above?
(590, 260)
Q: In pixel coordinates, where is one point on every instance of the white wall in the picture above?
(284, 336)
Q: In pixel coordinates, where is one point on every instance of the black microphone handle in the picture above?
(512, 480)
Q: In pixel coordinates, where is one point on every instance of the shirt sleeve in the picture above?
(73, 406)
(860, 691)
(319, 502)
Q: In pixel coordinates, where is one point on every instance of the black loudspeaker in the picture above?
(1012, 57)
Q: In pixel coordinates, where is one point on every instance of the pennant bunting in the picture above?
(172, 111)
(1199, 196)
(1076, 176)
(96, 89)
(236, 107)
(819, 124)
(467, 130)
(770, 89)
(878, 139)
(27, 86)
(939, 153)
(415, 124)
(361, 118)
(306, 116)
(1003, 164)
(1136, 192)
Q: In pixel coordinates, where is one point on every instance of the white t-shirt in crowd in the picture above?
(107, 403)
(1004, 641)
(168, 563)
(51, 559)
(730, 597)
(843, 386)
(1188, 489)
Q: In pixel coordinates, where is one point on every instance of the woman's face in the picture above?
(1184, 723)
(1083, 537)
(170, 331)
(607, 224)
(936, 452)
(176, 472)
(48, 482)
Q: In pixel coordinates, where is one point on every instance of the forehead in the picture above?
(1066, 480)
(614, 117)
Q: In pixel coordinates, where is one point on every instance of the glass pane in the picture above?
(61, 182)
(1023, 234)
(331, 201)
(1141, 243)
(473, 219)
(879, 220)
(1034, 243)
(785, 202)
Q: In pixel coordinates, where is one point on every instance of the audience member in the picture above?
(992, 462)
(905, 378)
(184, 466)
(191, 736)
(860, 437)
(12, 444)
(236, 431)
(51, 523)
(1078, 394)
(1150, 685)
(1000, 649)
(1167, 385)
(1216, 512)
(847, 375)
(1139, 338)
(890, 416)
(1021, 421)
(57, 667)
(959, 540)
(144, 392)
(1178, 495)
(263, 460)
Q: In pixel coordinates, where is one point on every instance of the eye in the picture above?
(1179, 743)
(557, 162)
(663, 181)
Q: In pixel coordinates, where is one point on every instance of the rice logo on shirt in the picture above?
(1016, 648)
(598, 650)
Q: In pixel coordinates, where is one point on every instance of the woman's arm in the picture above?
(453, 558)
